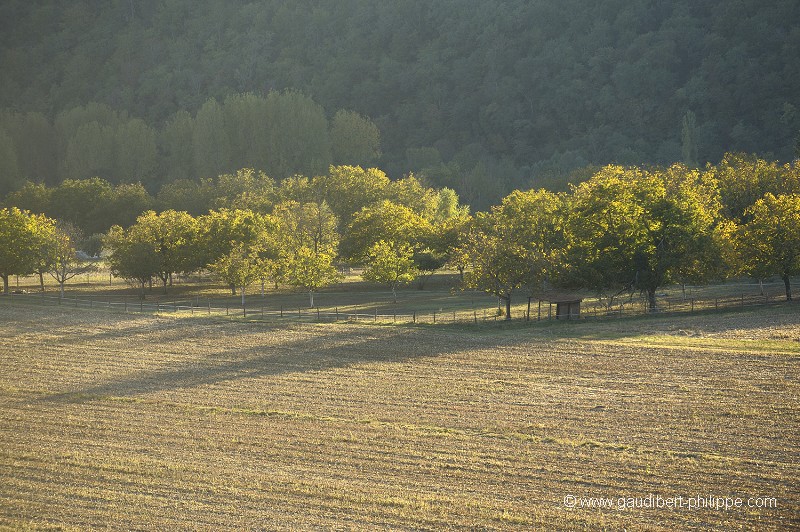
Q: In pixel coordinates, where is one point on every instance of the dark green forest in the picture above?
(480, 96)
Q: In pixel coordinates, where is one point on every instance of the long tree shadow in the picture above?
(321, 349)
(309, 348)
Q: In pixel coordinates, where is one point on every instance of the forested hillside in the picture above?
(479, 95)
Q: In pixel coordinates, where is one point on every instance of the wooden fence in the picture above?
(537, 313)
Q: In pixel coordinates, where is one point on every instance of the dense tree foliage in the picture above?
(391, 264)
(482, 97)
(24, 240)
(517, 245)
(621, 230)
(639, 229)
(770, 241)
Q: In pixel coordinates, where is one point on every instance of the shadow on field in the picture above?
(207, 352)
(304, 349)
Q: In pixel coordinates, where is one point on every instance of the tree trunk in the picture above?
(243, 297)
(508, 307)
(61, 285)
(310, 299)
(5, 284)
(394, 294)
(651, 299)
(788, 288)
(41, 280)
(233, 289)
(141, 294)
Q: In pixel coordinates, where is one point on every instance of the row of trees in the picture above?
(625, 229)
(280, 133)
(94, 205)
(256, 229)
(630, 229)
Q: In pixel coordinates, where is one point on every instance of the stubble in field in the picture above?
(161, 423)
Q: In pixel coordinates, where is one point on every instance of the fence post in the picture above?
(475, 315)
(376, 315)
(244, 311)
(454, 316)
(227, 309)
(141, 305)
(434, 316)
(337, 313)
(281, 311)
(414, 317)
(209, 307)
(317, 313)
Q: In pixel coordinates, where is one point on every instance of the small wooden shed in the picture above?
(567, 307)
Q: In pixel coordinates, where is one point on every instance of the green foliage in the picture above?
(411, 193)
(210, 141)
(136, 153)
(689, 139)
(298, 135)
(387, 221)
(83, 202)
(24, 237)
(355, 139)
(390, 263)
(481, 98)
(34, 197)
(173, 237)
(309, 269)
(9, 169)
(770, 241)
(743, 179)
(307, 242)
(516, 245)
(177, 152)
(240, 267)
(132, 256)
(348, 189)
(633, 229)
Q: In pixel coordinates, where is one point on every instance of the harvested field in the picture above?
(140, 422)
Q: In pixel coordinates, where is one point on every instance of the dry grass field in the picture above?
(163, 423)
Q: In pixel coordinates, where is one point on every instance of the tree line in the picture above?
(282, 134)
(625, 229)
(482, 97)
